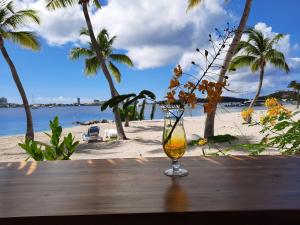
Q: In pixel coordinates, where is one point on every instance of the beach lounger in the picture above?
(92, 134)
(111, 134)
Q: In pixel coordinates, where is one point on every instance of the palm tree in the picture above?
(256, 53)
(55, 4)
(296, 86)
(210, 118)
(92, 65)
(10, 23)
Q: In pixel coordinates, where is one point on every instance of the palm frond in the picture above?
(257, 38)
(3, 33)
(103, 34)
(56, 4)
(248, 48)
(121, 58)
(193, 3)
(97, 4)
(76, 53)
(112, 40)
(241, 61)
(6, 9)
(10, 7)
(279, 63)
(273, 53)
(91, 66)
(24, 38)
(21, 17)
(256, 65)
(277, 59)
(84, 32)
(262, 48)
(115, 71)
(274, 40)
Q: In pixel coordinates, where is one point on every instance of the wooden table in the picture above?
(223, 190)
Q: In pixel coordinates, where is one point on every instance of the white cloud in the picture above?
(154, 56)
(283, 45)
(244, 83)
(57, 27)
(154, 33)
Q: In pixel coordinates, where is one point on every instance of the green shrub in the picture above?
(57, 149)
(129, 110)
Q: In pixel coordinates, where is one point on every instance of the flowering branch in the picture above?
(212, 89)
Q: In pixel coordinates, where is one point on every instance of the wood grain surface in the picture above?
(220, 190)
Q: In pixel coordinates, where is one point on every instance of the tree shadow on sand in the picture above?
(215, 146)
(222, 147)
(147, 141)
(98, 146)
(145, 129)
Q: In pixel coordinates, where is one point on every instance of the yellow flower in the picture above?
(277, 110)
(262, 119)
(202, 142)
(247, 113)
(271, 102)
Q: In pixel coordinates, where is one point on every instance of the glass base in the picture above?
(176, 170)
(176, 173)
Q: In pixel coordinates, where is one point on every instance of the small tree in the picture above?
(134, 109)
(128, 114)
(10, 23)
(256, 53)
(142, 111)
(153, 111)
(296, 86)
(130, 99)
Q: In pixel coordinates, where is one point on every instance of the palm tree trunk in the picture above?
(209, 123)
(298, 99)
(126, 115)
(261, 79)
(107, 75)
(29, 130)
(127, 121)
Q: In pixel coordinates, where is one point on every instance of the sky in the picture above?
(156, 35)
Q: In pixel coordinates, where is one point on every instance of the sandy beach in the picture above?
(144, 139)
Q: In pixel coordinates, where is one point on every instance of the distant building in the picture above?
(78, 101)
(3, 101)
(96, 101)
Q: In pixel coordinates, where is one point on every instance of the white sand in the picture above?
(145, 139)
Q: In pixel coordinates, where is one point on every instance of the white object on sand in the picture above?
(92, 134)
(110, 133)
(193, 137)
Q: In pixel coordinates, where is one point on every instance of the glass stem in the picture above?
(175, 165)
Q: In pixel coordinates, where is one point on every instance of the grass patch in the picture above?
(222, 138)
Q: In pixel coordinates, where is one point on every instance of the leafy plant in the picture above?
(131, 98)
(280, 131)
(128, 111)
(56, 150)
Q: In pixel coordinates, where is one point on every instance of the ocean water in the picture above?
(13, 120)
